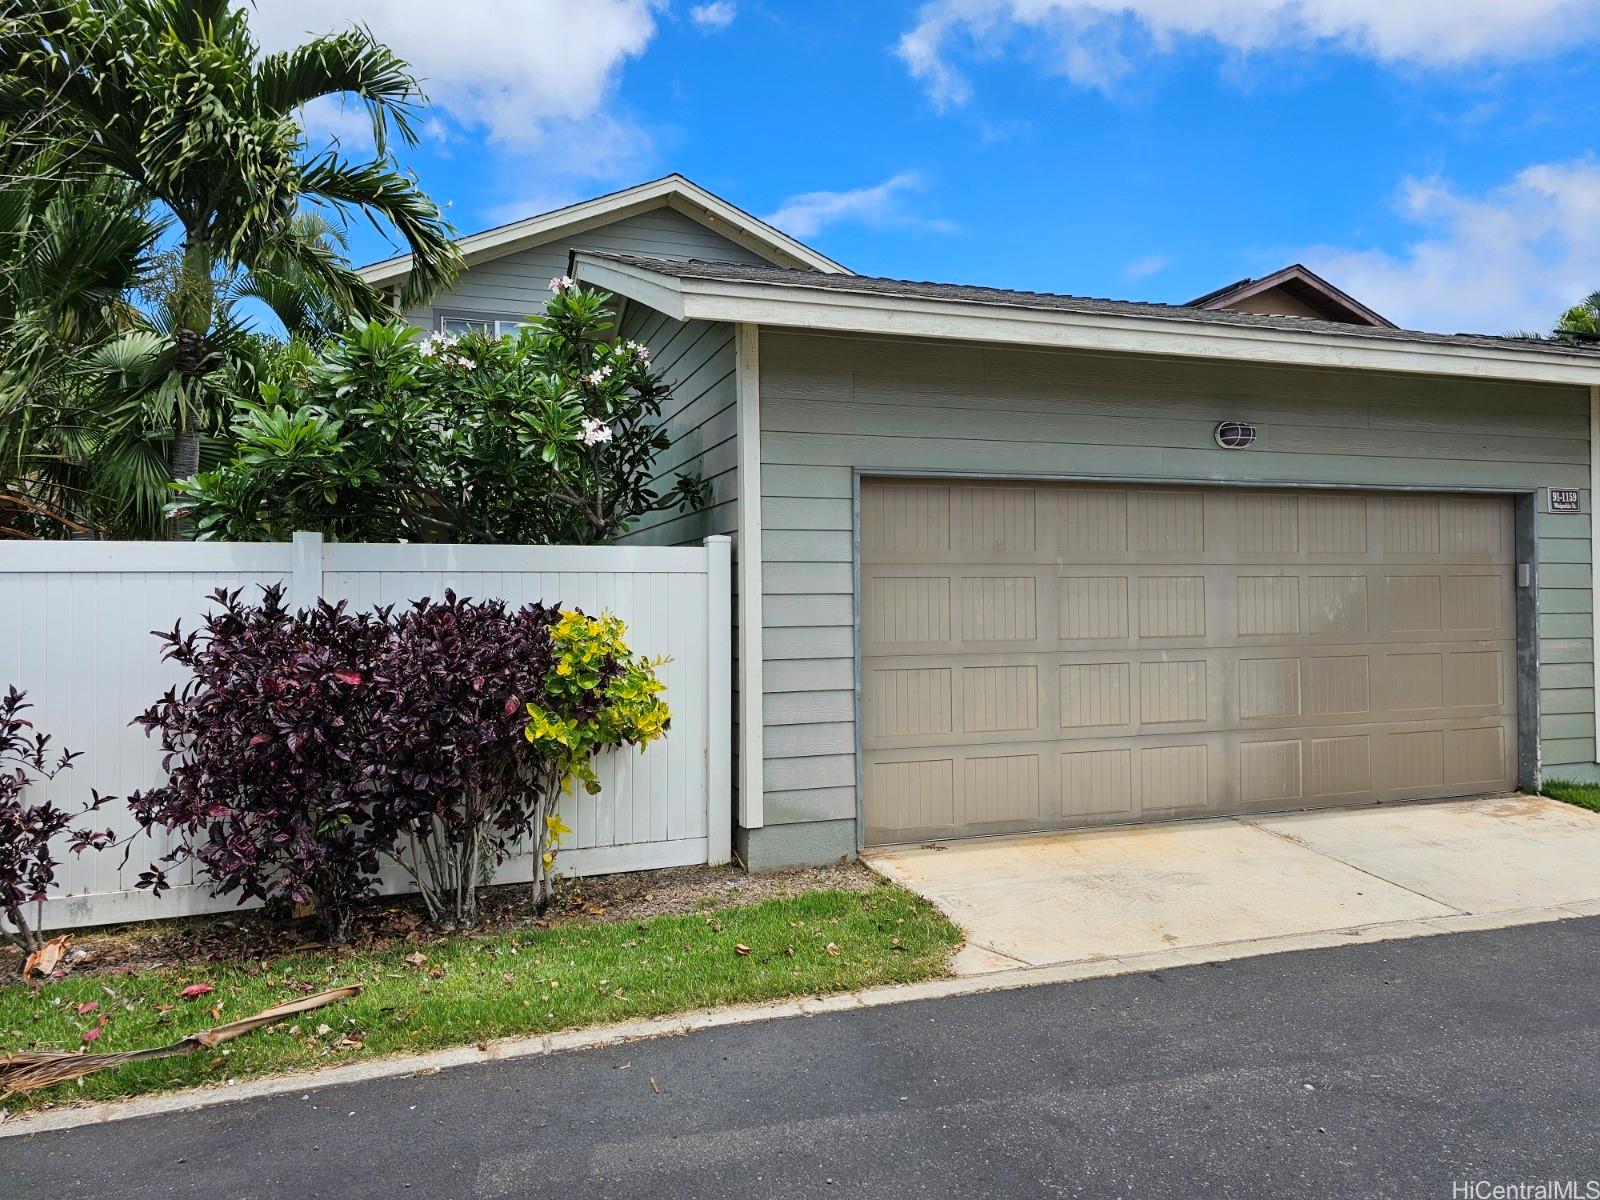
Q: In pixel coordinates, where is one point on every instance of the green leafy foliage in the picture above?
(308, 745)
(72, 246)
(548, 437)
(176, 103)
(1583, 318)
(598, 695)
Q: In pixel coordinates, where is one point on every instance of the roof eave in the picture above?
(795, 306)
(672, 191)
(1294, 273)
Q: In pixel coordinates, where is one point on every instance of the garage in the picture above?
(1046, 656)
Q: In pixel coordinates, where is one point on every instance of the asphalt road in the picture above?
(1395, 1069)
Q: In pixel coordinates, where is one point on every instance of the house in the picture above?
(1295, 291)
(1011, 561)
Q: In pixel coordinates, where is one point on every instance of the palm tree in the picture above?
(175, 98)
(1582, 318)
(72, 245)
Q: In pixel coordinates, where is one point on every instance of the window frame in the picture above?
(498, 324)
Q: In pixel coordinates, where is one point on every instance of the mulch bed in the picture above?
(253, 935)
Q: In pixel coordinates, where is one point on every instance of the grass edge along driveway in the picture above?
(1584, 795)
(468, 989)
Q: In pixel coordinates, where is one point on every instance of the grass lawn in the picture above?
(1584, 795)
(470, 989)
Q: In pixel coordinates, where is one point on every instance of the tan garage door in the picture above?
(1039, 657)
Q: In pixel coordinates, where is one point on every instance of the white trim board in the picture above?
(752, 688)
(671, 191)
(793, 305)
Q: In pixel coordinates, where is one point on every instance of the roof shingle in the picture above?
(696, 269)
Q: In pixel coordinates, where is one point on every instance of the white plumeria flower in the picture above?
(560, 283)
(595, 432)
(598, 376)
(437, 343)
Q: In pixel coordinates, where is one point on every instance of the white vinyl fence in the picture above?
(75, 634)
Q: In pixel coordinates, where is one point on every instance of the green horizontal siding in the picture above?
(832, 404)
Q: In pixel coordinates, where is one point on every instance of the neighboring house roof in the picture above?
(1291, 291)
(671, 191)
(690, 289)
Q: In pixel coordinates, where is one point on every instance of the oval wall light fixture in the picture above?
(1235, 435)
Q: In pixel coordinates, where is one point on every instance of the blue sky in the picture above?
(1437, 158)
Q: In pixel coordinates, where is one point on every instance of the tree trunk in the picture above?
(21, 934)
(185, 451)
(192, 306)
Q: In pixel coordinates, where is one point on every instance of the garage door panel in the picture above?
(918, 794)
(1098, 784)
(1096, 695)
(980, 699)
(1079, 654)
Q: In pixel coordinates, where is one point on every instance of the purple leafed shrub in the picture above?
(309, 746)
(27, 863)
(263, 754)
(445, 752)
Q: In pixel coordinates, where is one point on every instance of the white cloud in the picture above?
(1514, 257)
(346, 127)
(1095, 43)
(718, 14)
(523, 71)
(882, 205)
(1143, 268)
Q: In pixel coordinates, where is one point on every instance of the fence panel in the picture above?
(76, 622)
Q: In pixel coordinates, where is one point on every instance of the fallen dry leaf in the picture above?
(87, 1007)
(91, 1035)
(195, 990)
(417, 959)
(741, 948)
(44, 960)
(832, 949)
(654, 1086)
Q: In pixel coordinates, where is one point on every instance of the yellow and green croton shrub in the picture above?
(598, 695)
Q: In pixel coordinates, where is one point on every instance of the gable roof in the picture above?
(670, 191)
(688, 289)
(1304, 285)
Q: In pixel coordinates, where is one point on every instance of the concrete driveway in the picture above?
(1248, 885)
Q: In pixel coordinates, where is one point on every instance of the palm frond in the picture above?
(349, 63)
(378, 191)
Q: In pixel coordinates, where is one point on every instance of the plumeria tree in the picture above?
(551, 436)
(594, 420)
